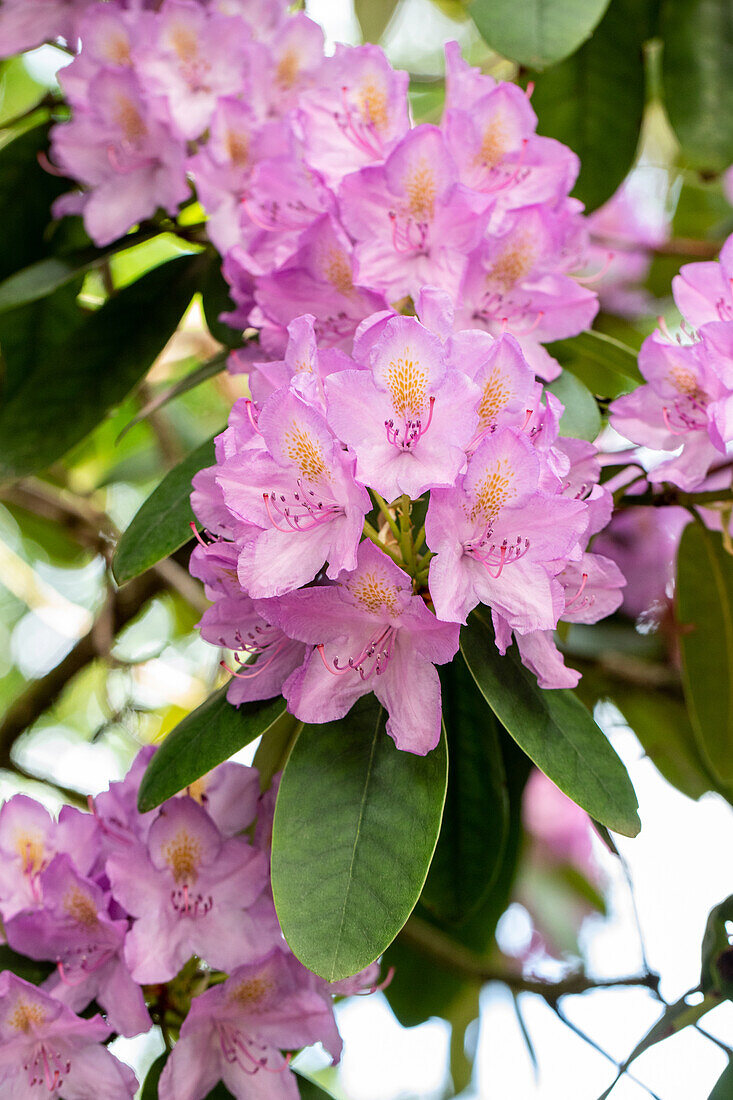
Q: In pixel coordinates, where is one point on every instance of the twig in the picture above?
(454, 957)
(668, 496)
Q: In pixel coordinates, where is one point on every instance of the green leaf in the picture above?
(604, 364)
(536, 33)
(206, 737)
(27, 192)
(594, 101)
(48, 274)
(581, 419)
(697, 75)
(705, 615)
(554, 729)
(56, 393)
(724, 1086)
(356, 824)
(152, 1078)
(310, 1089)
(663, 728)
(216, 300)
(475, 825)
(163, 522)
(374, 17)
(194, 378)
(421, 987)
(717, 949)
(28, 969)
(274, 749)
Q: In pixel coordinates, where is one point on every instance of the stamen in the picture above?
(251, 416)
(373, 659)
(579, 593)
(596, 278)
(380, 986)
(411, 432)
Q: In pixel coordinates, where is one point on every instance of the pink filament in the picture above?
(579, 593)
(596, 278)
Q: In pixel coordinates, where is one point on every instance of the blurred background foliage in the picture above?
(89, 672)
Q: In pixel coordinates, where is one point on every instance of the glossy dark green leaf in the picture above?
(163, 522)
(705, 615)
(581, 419)
(206, 737)
(421, 987)
(724, 1085)
(48, 274)
(594, 101)
(476, 815)
(309, 1090)
(356, 825)
(374, 17)
(536, 33)
(152, 1078)
(717, 951)
(57, 393)
(606, 365)
(28, 969)
(554, 729)
(215, 299)
(36, 334)
(27, 192)
(697, 74)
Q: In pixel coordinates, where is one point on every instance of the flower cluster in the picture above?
(686, 406)
(144, 916)
(321, 194)
(322, 584)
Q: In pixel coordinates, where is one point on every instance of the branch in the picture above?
(122, 607)
(669, 495)
(454, 957)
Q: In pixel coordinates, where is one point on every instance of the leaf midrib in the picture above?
(360, 818)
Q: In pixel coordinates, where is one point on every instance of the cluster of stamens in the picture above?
(495, 556)
(300, 510)
(371, 661)
(406, 435)
(240, 1050)
(47, 1068)
(408, 235)
(360, 133)
(188, 904)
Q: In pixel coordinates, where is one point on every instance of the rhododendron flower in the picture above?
(497, 536)
(74, 929)
(46, 1049)
(357, 112)
(29, 839)
(127, 157)
(190, 890)
(370, 634)
(409, 418)
(673, 410)
(24, 25)
(235, 1033)
(299, 494)
(414, 223)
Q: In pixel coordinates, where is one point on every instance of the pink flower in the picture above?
(44, 1046)
(125, 156)
(370, 634)
(190, 890)
(235, 1033)
(24, 25)
(356, 114)
(29, 839)
(300, 496)
(74, 929)
(497, 538)
(188, 57)
(409, 418)
(414, 223)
